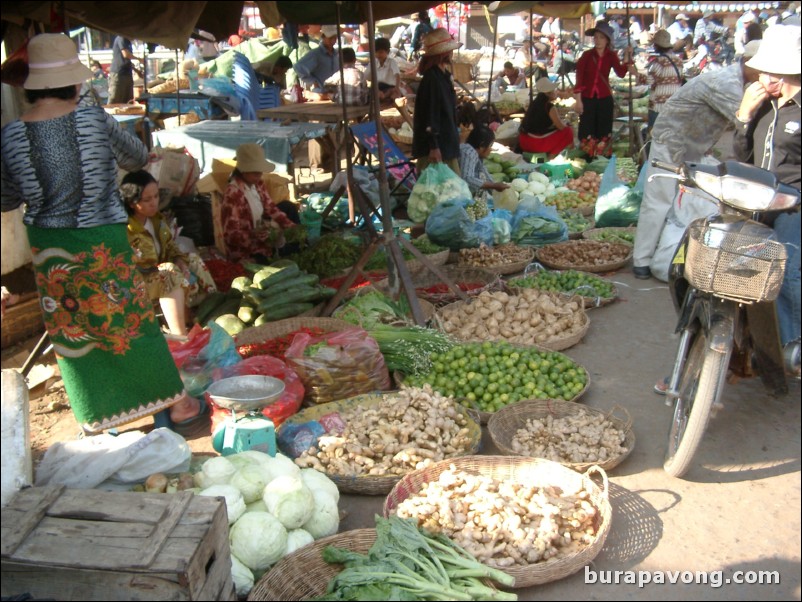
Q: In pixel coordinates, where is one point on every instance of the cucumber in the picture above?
(254, 267)
(229, 306)
(253, 295)
(283, 263)
(270, 275)
(208, 305)
(296, 295)
(240, 283)
(287, 310)
(326, 292)
(301, 280)
(247, 314)
(260, 319)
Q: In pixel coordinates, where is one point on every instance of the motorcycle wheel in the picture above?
(700, 386)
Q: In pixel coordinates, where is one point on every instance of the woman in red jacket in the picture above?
(594, 97)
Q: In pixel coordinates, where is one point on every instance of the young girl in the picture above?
(473, 170)
(173, 277)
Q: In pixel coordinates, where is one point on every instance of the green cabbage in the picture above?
(289, 500)
(258, 540)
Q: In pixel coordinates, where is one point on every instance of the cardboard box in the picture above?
(75, 544)
(215, 184)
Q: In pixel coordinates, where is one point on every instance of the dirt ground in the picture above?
(736, 515)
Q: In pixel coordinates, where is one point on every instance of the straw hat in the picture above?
(53, 63)
(328, 31)
(681, 17)
(439, 41)
(251, 158)
(779, 51)
(602, 28)
(662, 39)
(545, 85)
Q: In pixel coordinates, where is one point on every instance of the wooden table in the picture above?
(324, 111)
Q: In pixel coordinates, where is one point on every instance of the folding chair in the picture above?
(251, 94)
(398, 165)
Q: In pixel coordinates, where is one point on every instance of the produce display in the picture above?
(618, 235)
(580, 438)
(503, 523)
(408, 349)
(330, 255)
(484, 256)
(583, 254)
(576, 222)
(406, 563)
(571, 199)
(533, 316)
(223, 272)
(277, 291)
(493, 375)
(500, 169)
(534, 184)
(371, 307)
(405, 431)
(568, 281)
(587, 182)
(627, 170)
(275, 347)
(379, 259)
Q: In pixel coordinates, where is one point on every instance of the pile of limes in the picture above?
(567, 281)
(491, 375)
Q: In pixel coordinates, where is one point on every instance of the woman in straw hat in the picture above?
(435, 134)
(594, 97)
(542, 129)
(769, 136)
(662, 74)
(61, 161)
(252, 223)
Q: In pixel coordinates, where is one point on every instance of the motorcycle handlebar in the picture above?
(677, 169)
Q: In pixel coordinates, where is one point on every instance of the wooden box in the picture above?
(71, 544)
(22, 320)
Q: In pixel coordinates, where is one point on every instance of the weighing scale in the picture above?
(250, 430)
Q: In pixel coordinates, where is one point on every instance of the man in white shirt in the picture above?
(551, 27)
(679, 29)
(635, 28)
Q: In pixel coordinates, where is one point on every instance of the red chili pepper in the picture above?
(223, 272)
(276, 347)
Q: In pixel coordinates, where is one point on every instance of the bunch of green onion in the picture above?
(407, 349)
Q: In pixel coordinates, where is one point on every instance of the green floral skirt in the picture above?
(113, 357)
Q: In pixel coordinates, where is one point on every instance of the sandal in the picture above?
(196, 426)
(661, 386)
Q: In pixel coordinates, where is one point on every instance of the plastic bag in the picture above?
(437, 184)
(483, 229)
(206, 351)
(449, 225)
(539, 227)
(502, 226)
(618, 204)
(338, 365)
(263, 365)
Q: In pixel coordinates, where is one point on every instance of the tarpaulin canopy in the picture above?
(564, 10)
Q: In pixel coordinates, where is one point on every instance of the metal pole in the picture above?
(177, 86)
(492, 60)
(531, 55)
(344, 123)
(632, 142)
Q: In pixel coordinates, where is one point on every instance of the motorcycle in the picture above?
(726, 273)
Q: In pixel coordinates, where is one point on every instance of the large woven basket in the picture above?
(304, 574)
(597, 233)
(458, 275)
(505, 423)
(503, 268)
(590, 302)
(552, 345)
(414, 265)
(549, 257)
(274, 330)
(527, 471)
(366, 484)
(427, 308)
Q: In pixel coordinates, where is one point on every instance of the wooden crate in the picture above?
(71, 544)
(22, 320)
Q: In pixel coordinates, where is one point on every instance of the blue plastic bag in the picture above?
(542, 226)
(449, 225)
(437, 184)
(618, 205)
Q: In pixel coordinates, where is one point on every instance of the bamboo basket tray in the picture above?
(505, 423)
(279, 328)
(527, 471)
(551, 345)
(590, 302)
(368, 484)
(425, 278)
(304, 574)
(595, 233)
(504, 268)
(548, 257)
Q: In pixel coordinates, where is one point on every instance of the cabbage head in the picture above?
(258, 540)
(215, 471)
(325, 519)
(251, 481)
(289, 500)
(235, 504)
(281, 465)
(242, 577)
(314, 479)
(298, 538)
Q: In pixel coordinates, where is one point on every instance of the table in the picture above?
(204, 106)
(129, 124)
(323, 111)
(219, 140)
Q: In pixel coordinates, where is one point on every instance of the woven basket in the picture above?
(280, 328)
(458, 275)
(304, 574)
(552, 345)
(504, 268)
(366, 484)
(595, 233)
(414, 265)
(590, 302)
(548, 257)
(527, 471)
(505, 423)
(427, 308)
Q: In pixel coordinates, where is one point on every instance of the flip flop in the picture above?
(197, 425)
(661, 386)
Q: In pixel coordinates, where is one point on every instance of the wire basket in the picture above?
(732, 264)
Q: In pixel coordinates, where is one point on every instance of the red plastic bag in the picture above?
(338, 365)
(263, 365)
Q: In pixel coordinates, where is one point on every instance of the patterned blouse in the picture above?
(662, 75)
(472, 168)
(65, 169)
(242, 240)
(145, 254)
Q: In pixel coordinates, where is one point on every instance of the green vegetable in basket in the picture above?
(372, 308)
(328, 256)
(408, 349)
(406, 563)
(568, 281)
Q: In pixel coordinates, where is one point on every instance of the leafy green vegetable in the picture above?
(408, 348)
(329, 256)
(372, 308)
(407, 564)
